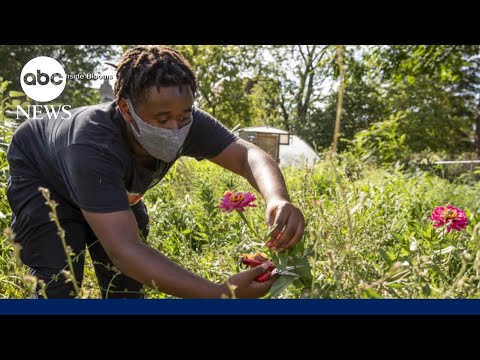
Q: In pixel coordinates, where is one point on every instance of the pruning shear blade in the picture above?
(287, 271)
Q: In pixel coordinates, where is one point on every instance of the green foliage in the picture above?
(8, 101)
(361, 228)
(266, 99)
(381, 143)
(434, 118)
(435, 87)
(298, 257)
(11, 272)
(225, 75)
(362, 106)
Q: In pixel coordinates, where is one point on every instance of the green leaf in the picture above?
(300, 247)
(281, 284)
(397, 236)
(372, 294)
(14, 93)
(298, 283)
(201, 235)
(426, 290)
(4, 85)
(395, 285)
(304, 269)
(388, 257)
(280, 260)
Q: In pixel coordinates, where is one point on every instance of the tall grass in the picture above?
(368, 229)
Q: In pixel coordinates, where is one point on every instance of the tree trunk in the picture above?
(306, 80)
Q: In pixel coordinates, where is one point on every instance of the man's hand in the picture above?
(246, 286)
(289, 222)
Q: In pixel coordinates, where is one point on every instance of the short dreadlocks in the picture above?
(146, 66)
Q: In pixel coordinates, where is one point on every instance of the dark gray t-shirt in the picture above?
(87, 160)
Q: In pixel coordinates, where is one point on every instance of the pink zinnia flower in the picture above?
(449, 216)
(236, 201)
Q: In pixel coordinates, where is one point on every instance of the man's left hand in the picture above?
(289, 222)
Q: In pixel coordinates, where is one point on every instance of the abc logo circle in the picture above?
(43, 78)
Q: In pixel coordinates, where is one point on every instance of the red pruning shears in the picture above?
(253, 260)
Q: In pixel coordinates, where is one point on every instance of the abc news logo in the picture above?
(43, 79)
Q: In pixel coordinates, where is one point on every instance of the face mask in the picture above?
(163, 144)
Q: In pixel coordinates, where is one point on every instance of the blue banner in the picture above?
(239, 307)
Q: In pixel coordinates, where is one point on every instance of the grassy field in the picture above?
(367, 236)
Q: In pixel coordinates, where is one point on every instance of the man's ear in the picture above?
(122, 105)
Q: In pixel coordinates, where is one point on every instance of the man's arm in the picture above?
(263, 173)
(119, 235)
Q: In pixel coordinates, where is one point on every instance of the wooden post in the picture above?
(477, 130)
(341, 65)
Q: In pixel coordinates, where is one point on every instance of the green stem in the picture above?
(61, 232)
(244, 218)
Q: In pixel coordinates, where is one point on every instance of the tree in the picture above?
(436, 86)
(301, 71)
(363, 103)
(226, 75)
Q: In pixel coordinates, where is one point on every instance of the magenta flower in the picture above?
(449, 216)
(236, 201)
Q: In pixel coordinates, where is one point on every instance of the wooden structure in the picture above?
(266, 138)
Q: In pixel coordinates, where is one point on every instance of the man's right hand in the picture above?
(247, 286)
